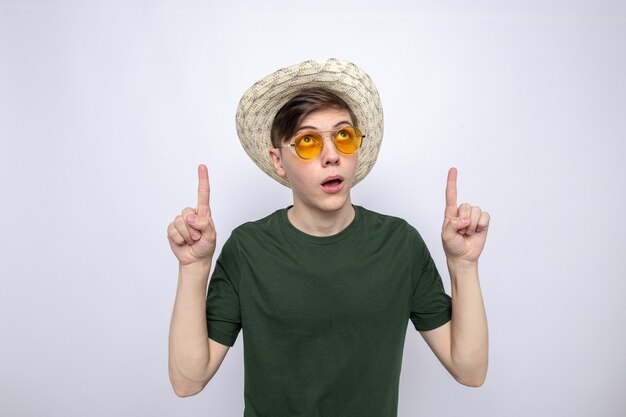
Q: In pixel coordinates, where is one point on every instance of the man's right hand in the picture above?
(192, 234)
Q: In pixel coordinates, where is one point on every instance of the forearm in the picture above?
(188, 341)
(469, 334)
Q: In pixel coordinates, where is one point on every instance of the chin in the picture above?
(336, 204)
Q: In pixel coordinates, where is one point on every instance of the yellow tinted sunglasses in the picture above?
(308, 145)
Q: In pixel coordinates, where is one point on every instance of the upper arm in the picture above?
(469, 370)
(217, 353)
(440, 342)
(187, 385)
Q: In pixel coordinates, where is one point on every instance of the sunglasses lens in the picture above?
(348, 140)
(308, 145)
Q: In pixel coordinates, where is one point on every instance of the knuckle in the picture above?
(179, 223)
(183, 230)
(176, 238)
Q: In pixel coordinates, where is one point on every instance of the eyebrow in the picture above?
(343, 122)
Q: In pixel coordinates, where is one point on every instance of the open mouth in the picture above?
(332, 184)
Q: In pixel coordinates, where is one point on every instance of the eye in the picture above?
(308, 139)
(308, 145)
(343, 135)
(347, 140)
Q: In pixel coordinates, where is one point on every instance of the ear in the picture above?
(277, 159)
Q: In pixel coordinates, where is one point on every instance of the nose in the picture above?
(330, 154)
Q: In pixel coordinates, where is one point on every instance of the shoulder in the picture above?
(390, 227)
(262, 225)
(374, 220)
(257, 234)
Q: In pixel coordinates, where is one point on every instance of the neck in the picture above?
(321, 223)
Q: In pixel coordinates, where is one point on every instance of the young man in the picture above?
(323, 290)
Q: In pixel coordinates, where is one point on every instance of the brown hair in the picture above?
(289, 117)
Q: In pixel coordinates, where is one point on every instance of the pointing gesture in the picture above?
(465, 227)
(192, 234)
(204, 192)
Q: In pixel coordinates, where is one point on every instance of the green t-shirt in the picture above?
(324, 318)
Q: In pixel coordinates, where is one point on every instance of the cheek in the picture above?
(297, 171)
(352, 162)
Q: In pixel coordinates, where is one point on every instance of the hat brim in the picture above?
(260, 103)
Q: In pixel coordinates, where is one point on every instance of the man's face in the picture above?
(322, 183)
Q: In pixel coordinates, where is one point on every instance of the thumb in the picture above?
(203, 225)
(452, 226)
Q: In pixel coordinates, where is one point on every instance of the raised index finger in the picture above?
(203, 191)
(451, 190)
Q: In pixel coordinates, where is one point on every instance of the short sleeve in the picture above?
(431, 307)
(222, 303)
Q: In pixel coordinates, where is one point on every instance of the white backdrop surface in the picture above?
(107, 107)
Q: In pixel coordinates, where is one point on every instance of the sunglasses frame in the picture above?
(332, 136)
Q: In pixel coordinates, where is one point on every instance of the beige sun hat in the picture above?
(259, 105)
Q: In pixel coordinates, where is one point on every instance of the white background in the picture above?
(107, 107)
